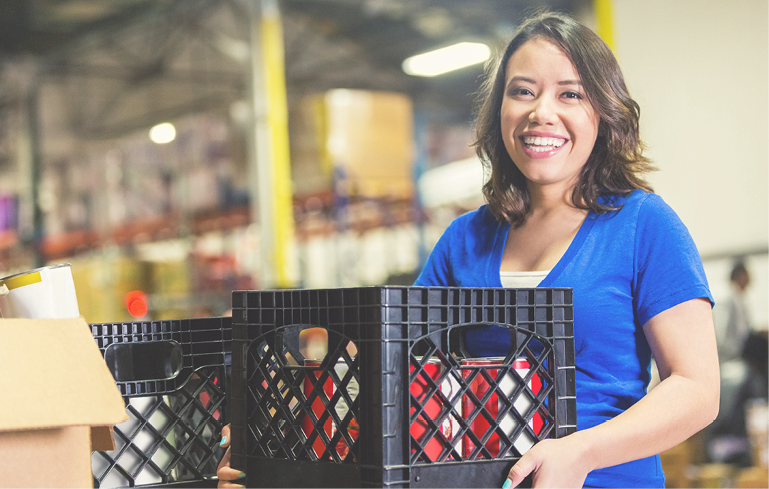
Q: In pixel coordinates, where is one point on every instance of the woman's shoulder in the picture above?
(481, 217)
(632, 199)
(645, 212)
(474, 230)
(639, 202)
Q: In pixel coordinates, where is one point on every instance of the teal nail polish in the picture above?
(507, 484)
(242, 475)
(224, 440)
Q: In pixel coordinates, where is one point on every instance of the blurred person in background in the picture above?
(567, 207)
(743, 356)
(732, 317)
(743, 382)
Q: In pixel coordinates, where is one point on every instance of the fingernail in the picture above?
(242, 475)
(224, 440)
(507, 484)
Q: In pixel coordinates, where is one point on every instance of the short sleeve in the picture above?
(667, 266)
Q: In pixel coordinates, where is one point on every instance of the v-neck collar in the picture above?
(576, 243)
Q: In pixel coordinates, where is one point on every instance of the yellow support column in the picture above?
(271, 192)
(603, 15)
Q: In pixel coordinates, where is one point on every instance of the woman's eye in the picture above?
(520, 91)
(572, 95)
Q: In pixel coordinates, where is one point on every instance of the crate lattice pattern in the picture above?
(285, 425)
(301, 412)
(174, 426)
(448, 432)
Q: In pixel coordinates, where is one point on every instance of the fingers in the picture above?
(520, 470)
(229, 474)
(224, 463)
(225, 472)
(228, 477)
(225, 442)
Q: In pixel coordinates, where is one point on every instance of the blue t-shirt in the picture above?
(624, 267)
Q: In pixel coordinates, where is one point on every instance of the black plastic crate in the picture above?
(406, 410)
(173, 376)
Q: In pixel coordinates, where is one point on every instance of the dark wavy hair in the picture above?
(616, 162)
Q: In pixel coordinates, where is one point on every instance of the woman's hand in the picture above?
(554, 462)
(682, 340)
(224, 472)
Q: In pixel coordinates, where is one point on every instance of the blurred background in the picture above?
(175, 150)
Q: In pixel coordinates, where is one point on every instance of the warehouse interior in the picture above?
(374, 163)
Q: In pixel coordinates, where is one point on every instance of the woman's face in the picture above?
(548, 125)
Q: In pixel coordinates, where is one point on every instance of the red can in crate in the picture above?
(507, 384)
(318, 407)
(420, 388)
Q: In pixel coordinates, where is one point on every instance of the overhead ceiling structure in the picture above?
(126, 64)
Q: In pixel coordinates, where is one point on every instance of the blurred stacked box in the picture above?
(366, 137)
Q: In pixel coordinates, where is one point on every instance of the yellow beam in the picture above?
(283, 211)
(603, 14)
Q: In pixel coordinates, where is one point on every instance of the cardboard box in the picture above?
(58, 402)
(367, 135)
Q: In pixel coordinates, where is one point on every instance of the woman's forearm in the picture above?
(682, 340)
(672, 412)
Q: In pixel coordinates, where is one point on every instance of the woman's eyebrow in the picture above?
(519, 78)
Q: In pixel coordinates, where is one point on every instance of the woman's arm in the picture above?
(683, 343)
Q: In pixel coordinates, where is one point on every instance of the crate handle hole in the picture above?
(136, 362)
(313, 343)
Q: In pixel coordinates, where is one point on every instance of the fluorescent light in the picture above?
(443, 60)
(163, 133)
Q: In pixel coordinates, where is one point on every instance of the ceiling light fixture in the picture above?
(444, 60)
(163, 133)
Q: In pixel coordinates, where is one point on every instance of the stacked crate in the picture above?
(173, 376)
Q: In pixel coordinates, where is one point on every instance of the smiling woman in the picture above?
(567, 204)
(593, 81)
(549, 127)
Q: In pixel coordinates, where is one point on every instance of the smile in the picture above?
(541, 145)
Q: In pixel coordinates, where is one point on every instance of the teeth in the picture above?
(543, 144)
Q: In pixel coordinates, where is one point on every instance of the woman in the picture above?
(567, 207)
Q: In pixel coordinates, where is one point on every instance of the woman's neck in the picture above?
(547, 199)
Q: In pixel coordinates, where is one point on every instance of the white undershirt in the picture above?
(522, 280)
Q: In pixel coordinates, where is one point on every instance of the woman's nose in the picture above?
(543, 112)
